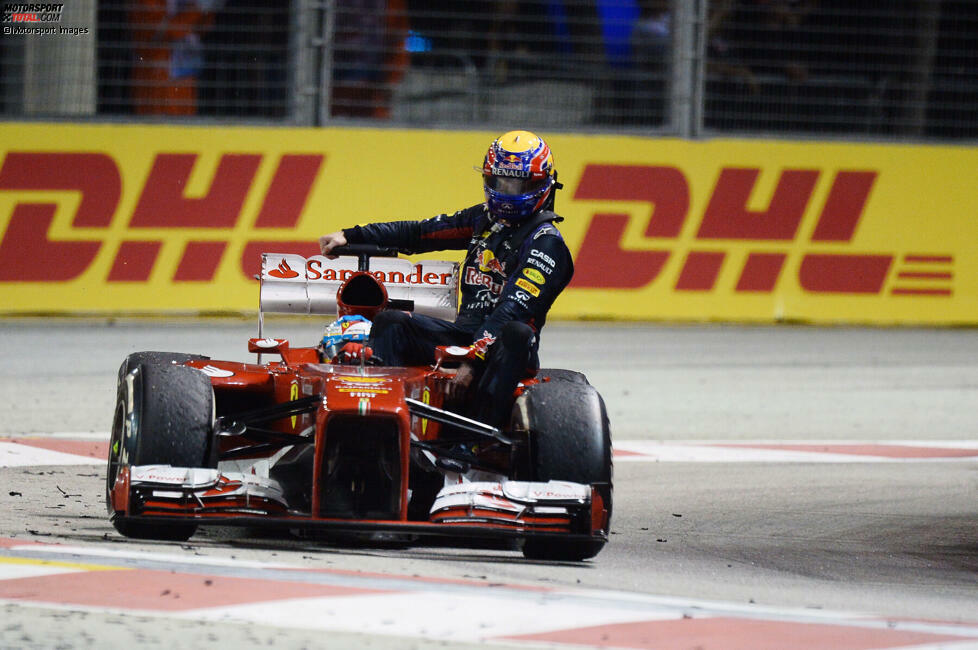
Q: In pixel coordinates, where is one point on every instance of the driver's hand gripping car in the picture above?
(344, 340)
(515, 267)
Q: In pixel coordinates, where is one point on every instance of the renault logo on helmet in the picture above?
(517, 173)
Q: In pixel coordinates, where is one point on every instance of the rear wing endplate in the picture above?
(293, 284)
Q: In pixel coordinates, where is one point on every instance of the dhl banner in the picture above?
(113, 219)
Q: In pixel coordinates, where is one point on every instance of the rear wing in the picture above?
(293, 284)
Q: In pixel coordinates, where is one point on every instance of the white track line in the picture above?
(389, 604)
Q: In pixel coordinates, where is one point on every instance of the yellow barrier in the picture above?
(130, 219)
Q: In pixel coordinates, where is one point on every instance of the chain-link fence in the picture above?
(149, 59)
(835, 66)
(194, 58)
(684, 67)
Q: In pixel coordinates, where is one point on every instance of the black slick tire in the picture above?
(557, 374)
(164, 416)
(155, 358)
(570, 440)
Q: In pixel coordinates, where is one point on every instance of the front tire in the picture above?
(137, 359)
(570, 440)
(164, 416)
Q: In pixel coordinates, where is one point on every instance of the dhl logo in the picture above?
(727, 218)
(29, 254)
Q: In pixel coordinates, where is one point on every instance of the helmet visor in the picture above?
(511, 186)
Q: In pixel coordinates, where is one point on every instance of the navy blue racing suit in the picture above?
(507, 288)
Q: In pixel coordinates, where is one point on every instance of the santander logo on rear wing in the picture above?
(293, 284)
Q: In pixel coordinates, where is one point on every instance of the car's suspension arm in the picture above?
(269, 413)
(245, 425)
(422, 410)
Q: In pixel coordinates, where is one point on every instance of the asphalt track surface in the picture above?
(775, 487)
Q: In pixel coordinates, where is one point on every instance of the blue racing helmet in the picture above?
(346, 329)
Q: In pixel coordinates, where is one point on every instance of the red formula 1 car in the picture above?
(303, 444)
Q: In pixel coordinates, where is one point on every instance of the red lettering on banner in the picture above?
(761, 271)
(95, 175)
(700, 271)
(727, 216)
(665, 188)
(27, 255)
(844, 273)
(602, 262)
(200, 261)
(163, 204)
(134, 261)
(928, 259)
(844, 206)
(289, 190)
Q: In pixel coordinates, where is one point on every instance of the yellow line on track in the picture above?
(63, 565)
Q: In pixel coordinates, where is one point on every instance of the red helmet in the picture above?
(518, 175)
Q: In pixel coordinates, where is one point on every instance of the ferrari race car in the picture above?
(299, 443)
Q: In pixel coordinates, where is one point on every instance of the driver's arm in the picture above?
(438, 233)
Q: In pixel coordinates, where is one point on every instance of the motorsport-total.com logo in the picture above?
(29, 18)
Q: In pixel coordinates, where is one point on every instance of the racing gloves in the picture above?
(352, 353)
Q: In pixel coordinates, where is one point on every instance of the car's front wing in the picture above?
(510, 509)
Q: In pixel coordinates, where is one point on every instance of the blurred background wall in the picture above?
(823, 68)
(732, 160)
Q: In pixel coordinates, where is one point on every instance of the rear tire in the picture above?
(570, 440)
(164, 416)
(556, 374)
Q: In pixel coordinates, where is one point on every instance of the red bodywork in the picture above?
(307, 444)
(368, 394)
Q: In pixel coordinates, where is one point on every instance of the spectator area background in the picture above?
(835, 68)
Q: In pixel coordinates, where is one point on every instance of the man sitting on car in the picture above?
(516, 265)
